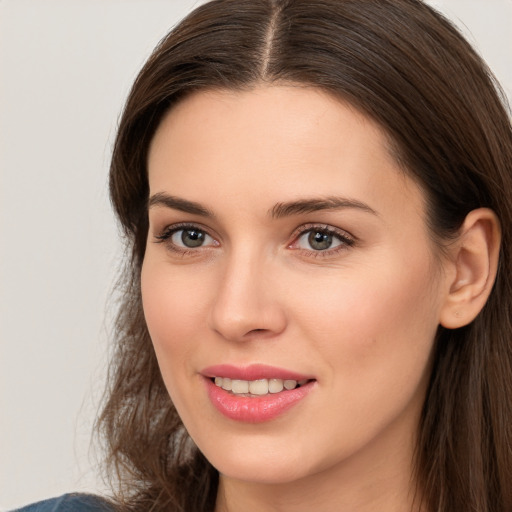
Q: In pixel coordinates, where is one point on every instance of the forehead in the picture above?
(273, 115)
(274, 143)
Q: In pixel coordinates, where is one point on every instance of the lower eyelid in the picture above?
(342, 236)
(207, 237)
(344, 239)
(166, 235)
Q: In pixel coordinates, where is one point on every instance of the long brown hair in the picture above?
(405, 66)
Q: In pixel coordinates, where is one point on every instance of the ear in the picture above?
(475, 259)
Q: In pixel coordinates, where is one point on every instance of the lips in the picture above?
(257, 387)
(255, 393)
(253, 372)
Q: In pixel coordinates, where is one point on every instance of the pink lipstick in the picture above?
(255, 393)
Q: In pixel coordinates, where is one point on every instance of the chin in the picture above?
(258, 462)
(261, 473)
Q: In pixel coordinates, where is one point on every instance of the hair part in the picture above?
(406, 67)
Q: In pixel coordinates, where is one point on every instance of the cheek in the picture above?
(171, 310)
(375, 321)
(376, 335)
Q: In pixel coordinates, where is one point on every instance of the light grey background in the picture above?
(65, 69)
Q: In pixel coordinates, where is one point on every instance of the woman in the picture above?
(316, 198)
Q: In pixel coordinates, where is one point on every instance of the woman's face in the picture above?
(285, 244)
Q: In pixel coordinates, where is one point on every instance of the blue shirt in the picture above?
(69, 503)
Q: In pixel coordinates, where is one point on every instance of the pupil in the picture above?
(192, 238)
(320, 241)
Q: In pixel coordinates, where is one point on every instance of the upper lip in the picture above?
(252, 372)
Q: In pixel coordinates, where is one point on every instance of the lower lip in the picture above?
(255, 409)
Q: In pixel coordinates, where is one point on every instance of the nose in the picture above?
(247, 305)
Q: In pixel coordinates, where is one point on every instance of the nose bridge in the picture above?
(246, 302)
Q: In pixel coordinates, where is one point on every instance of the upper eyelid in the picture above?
(178, 226)
(305, 228)
(166, 233)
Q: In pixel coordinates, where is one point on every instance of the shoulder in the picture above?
(69, 503)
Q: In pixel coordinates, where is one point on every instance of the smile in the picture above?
(255, 393)
(257, 387)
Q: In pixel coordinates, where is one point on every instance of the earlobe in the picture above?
(475, 258)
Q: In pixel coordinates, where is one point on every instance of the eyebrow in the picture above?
(177, 203)
(317, 204)
(278, 211)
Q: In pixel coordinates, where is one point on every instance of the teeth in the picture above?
(290, 384)
(226, 383)
(257, 387)
(275, 385)
(240, 387)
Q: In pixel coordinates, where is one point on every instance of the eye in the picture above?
(190, 238)
(318, 240)
(186, 237)
(322, 239)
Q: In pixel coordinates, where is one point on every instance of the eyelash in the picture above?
(166, 235)
(345, 239)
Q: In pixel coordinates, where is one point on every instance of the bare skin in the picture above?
(262, 176)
